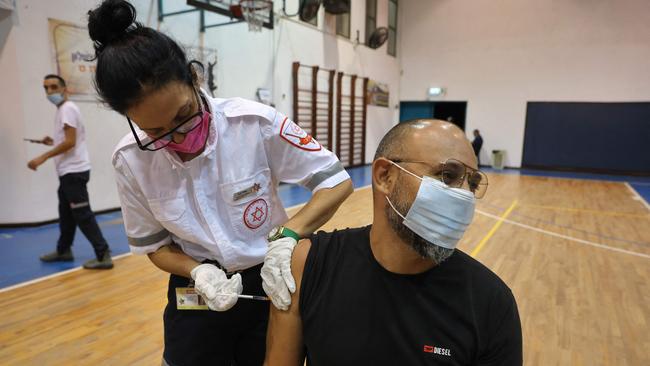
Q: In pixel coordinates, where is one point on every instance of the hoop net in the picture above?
(255, 11)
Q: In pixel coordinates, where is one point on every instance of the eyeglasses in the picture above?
(184, 127)
(453, 173)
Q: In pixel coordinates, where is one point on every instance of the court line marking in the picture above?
(637, 196)
(601, 212)
(494, 229)
(562, 236)
(53, 275)
(570, 228)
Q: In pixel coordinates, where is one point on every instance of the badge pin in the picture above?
(246, 192)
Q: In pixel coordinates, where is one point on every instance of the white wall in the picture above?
(247, 61)
(25, 57)
(497, 55)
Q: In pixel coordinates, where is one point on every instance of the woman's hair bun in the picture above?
(110, 21)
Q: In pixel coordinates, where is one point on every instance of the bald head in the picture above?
(426, 140)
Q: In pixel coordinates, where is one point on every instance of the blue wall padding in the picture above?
(596, 136)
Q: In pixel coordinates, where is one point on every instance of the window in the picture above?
(343, 24)
(313, 21)
(392, 27)
(371, 18)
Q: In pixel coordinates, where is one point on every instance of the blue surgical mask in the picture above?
(440, 214)
(56, 98)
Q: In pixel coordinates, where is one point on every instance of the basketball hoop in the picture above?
(255, 12)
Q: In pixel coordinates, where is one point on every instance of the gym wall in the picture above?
(246, 61)
(498, 56)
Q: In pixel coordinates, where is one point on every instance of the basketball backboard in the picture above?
(233, 10)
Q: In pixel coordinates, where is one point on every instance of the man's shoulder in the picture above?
(329, 249)
(324, 239)
(328, 243)
(481, 276)
(69, 112)
(69, 106)
(320, 258)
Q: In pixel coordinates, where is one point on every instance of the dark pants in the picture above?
(205, 337)
(74, 210)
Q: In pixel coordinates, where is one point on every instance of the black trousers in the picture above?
(205, 337)
(74, 210)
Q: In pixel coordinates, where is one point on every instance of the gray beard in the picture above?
(421, 246)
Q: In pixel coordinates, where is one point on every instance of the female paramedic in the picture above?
(197, 180)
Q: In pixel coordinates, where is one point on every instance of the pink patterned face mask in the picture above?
(197, 136)
(195, 129)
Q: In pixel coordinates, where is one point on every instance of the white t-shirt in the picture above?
(76, 159)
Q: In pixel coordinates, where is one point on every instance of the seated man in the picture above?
(398, 292)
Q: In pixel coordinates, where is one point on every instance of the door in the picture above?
(453, 112)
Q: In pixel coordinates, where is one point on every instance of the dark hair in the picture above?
(57, 77)
(132, 60)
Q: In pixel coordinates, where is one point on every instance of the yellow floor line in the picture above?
(494, 229)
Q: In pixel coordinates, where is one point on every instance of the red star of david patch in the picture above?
(256, 213)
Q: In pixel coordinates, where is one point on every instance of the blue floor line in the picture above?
(21, 247)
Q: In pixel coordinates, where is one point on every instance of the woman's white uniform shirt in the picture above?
(222, 204)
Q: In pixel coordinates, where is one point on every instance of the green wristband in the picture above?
(286, 232)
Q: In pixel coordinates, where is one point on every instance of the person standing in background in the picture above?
(477, 144)
(73, 168)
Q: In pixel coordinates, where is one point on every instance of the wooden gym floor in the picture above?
(576, 254)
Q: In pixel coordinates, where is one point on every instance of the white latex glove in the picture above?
(219, 292)
(277, 280)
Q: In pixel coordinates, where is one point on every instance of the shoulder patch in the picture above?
(296, 136)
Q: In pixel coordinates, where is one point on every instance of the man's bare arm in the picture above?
(284, 342)
(67, 144)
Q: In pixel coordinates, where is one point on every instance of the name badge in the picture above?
(188, 299)
(246, 192)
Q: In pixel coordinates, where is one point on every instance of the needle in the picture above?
(250, 297)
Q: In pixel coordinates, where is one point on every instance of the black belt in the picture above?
(230, 273)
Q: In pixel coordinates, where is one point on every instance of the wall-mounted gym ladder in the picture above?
(313, 110)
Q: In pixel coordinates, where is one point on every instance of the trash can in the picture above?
(498, 158)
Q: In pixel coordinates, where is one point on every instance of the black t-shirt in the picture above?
(355, 312)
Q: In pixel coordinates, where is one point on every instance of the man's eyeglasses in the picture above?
(453, 173)
(157, 143)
